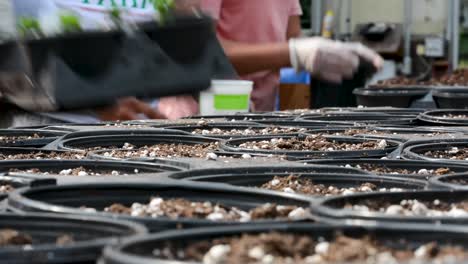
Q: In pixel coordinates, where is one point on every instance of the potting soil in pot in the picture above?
(378, 169)
(13, 139)
(43, 155)
(434, 208)
(294, 184)
(453, 153)
(78, 171)
(6, 188)
(313, 143)
(182, 208)
(275, 247)
(248, 131)
(161, 151)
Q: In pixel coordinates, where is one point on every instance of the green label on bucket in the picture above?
(231, 101)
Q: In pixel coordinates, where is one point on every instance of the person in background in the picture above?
(262, 36)
(93, 13)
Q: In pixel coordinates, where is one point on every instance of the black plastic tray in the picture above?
(333, 176)
(397, 164)
(140, 250)
(455, 98)
(120, 131)
(67, 200)
(233, 146)
(47, 137)
(330, 210)
(395, 97)
(91, 235)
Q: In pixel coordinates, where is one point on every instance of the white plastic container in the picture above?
(7, 21)
(226, 97)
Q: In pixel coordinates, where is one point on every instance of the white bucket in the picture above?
(226, 97)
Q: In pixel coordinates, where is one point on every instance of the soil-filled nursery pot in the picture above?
(295, 243)
(451, 98)
(227, 131)
(395, 97)
(14, 153)
(446, 207)
(56, 168)
(144, 146)
(27, 138)
(358, 119)
(446, 151)
(243, 117)
(47, 239)
(165, 206)
(305, 181)
(312, 147)
(447, 117)
(391, 133)
(397, 168)
(121, 131)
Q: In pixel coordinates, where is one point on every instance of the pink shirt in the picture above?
(255, 21)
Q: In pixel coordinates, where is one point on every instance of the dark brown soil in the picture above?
(379, 169)
(43, 155)
(458, 181)
(279, 248)
(13, 139)
(79, 171)
(162, 151)
(294, 184)
(6, 188)
(181, 208)
(312, 143)
(423, 208)
(453, 153)
(253, 131)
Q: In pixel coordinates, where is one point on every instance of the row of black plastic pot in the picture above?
(387, 202)
(443, 97)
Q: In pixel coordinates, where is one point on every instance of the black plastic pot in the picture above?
(409, 165)
(327, 175)
(69, 198)
(233, 146)
(331, 210)
(358, 119)
(136, 140)
(417, 152)
(90, 236)
(395, 97)
(436, 117)
(119, 131)
(451, 98)
(45, 137)
(454, 182)
(227, 127)
(141, 250)
(54, 167)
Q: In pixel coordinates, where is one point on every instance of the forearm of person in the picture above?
(250, 58)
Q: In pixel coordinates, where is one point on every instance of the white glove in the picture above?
(330, 60)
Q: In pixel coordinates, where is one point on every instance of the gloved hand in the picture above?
(330, 60)
(175, 107)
